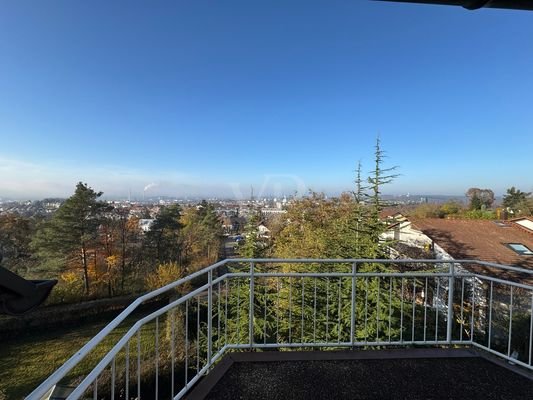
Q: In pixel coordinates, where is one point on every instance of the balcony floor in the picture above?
(379, 374)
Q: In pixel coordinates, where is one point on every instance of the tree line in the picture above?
(481, 204)
(96, 249)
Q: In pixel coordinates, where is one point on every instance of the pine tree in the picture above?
(514, 198)
(375, 227)
(211, 230)
(475, 203)
(15, 236)
(67, 237)
(163, 239)
(356, 233)
(253, 246)
(201, 235)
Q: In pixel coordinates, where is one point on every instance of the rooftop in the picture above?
(478, 239)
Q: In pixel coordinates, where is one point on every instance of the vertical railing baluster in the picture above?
(414, 308)
(303, 305)
(95, 389)
(378, 309)
(531, 329)
(314, 312)
(172, 351)
(366, 309)
(490, 314)
(251, 307)
(462, 309)
(352, 305)
(186, 343)
(139, 364)
(127, 373)
(265, 304)
(390, 308)
(157, 357)
(209, 316)
(339, 312)
(327, 310)
(277, 308)
(425, 306)
(238, 341)
(437, 312)
(510, 324)
(113, 369)
(219, 313)
(451, 292)
(198, 335)
(290, 309)
(401, 310)
(473, 309)
(226, 314)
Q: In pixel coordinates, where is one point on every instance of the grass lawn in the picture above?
(27, 360)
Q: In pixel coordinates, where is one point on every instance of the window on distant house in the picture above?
(519, 248)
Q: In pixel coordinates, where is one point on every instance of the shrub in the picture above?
(163, 275)
(69, 289)
(480, 214)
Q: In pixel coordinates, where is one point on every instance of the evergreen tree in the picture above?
(354, 233)
(514, 198)
(200, 235)
(163, 239)
(15, 237)
(253, 246)
(211, 230)
(375, 227)
(475, 203)
(66, 238)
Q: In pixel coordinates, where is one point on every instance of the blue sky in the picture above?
(209, 97)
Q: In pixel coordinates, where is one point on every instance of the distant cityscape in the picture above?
(224, 206)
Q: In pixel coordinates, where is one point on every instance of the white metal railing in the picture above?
(304, 303)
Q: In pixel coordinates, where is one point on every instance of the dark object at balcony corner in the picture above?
(18, 295)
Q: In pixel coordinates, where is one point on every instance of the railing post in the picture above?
(209, 316)
(352, 310)
(451, 287)
(251, 308)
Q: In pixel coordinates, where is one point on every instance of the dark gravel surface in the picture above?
(445, 378)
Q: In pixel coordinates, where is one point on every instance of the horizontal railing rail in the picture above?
(330, 303)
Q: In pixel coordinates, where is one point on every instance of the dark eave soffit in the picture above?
(476, 4)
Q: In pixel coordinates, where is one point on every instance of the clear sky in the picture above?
(210, 97)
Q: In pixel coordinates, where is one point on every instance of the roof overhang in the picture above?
(476, 4)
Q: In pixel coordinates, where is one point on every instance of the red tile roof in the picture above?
(478, 239)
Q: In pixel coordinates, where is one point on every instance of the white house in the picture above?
(145, 224)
